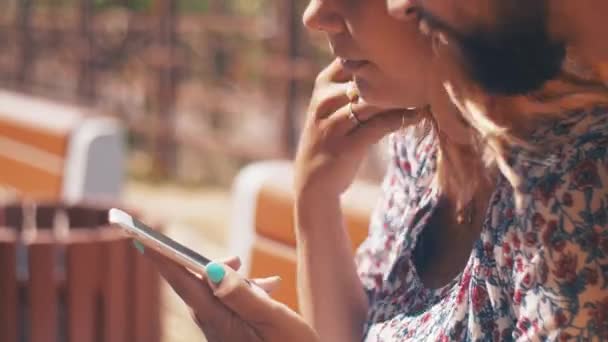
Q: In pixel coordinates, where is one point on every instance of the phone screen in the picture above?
(164, 244)
(154, 239)
(167, 241)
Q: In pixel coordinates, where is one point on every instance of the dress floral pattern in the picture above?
(538, 273)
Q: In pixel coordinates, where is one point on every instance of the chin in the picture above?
(378, 101)
(370, 93)
(382, 96)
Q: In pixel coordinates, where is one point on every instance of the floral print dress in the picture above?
(539, 273)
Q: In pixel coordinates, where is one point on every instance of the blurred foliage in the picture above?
(249, 7)
(134, 5)
(243, 7)
(193, 6)
(238, 54)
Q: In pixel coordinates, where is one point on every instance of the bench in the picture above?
(262, 230)
(50, 150)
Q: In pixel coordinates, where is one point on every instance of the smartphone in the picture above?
(158, 241)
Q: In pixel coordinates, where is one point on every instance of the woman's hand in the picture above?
(227, 307)
(332, 146)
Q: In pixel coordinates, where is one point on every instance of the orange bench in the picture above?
(262, 231)
(50, 150)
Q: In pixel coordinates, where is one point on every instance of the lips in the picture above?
(352, 65)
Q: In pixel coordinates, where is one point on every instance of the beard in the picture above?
(514, 57)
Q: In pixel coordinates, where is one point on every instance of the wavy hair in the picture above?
(499, 122)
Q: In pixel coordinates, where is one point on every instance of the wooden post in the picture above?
(8, 286)
(86, 75)
(23, 29)
(43, 291)
(114, 289)
(164, 147)
(83, 259)
(288, 45)
(145, 287)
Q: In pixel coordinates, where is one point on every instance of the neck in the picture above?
(448, 118)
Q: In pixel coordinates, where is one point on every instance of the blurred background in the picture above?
(195, 91)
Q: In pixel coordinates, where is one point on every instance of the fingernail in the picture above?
(139, 246)
(215, 272)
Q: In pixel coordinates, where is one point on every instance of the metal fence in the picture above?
(226, 76)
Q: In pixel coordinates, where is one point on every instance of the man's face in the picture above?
(505, 44)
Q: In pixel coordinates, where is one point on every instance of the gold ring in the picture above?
(351, 91)
(352, 116)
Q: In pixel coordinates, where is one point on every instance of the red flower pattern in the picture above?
(560, 318)
(516, 241)
(530, 238)
(567, 200)
(549, 239)
(479, 297)
(538, 220)
(599, 314)
(590, 275)
(585, 175)
(518, 296)
(566, 267)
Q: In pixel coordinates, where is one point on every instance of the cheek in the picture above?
(402, 44)
(410, 61)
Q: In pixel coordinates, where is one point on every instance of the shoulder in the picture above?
(557, 247)
(564, 194)
(413, 150)
(573, 157)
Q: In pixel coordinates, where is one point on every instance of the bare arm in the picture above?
(331, 296)
(331, 148)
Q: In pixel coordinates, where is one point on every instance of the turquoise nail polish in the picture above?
(215, 272)
(139, 246)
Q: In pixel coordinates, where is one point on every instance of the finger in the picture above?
(189, 287)
(267, 316)
(341, 123)
(380, 125)
(233, 262)
(237, 294)
(334, 72)
(269, 284)
(185, 283)
(333, 96)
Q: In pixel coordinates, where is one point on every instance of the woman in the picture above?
(492, 225)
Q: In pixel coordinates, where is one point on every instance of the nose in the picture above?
(322, 15)
(402, 9)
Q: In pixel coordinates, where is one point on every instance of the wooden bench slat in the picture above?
(145, 292)
(51, 142)
(43, 292)
(268, 258)
(114, 290)
(36, 183)
(83, 261)
(8, 290)
(274, 217)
